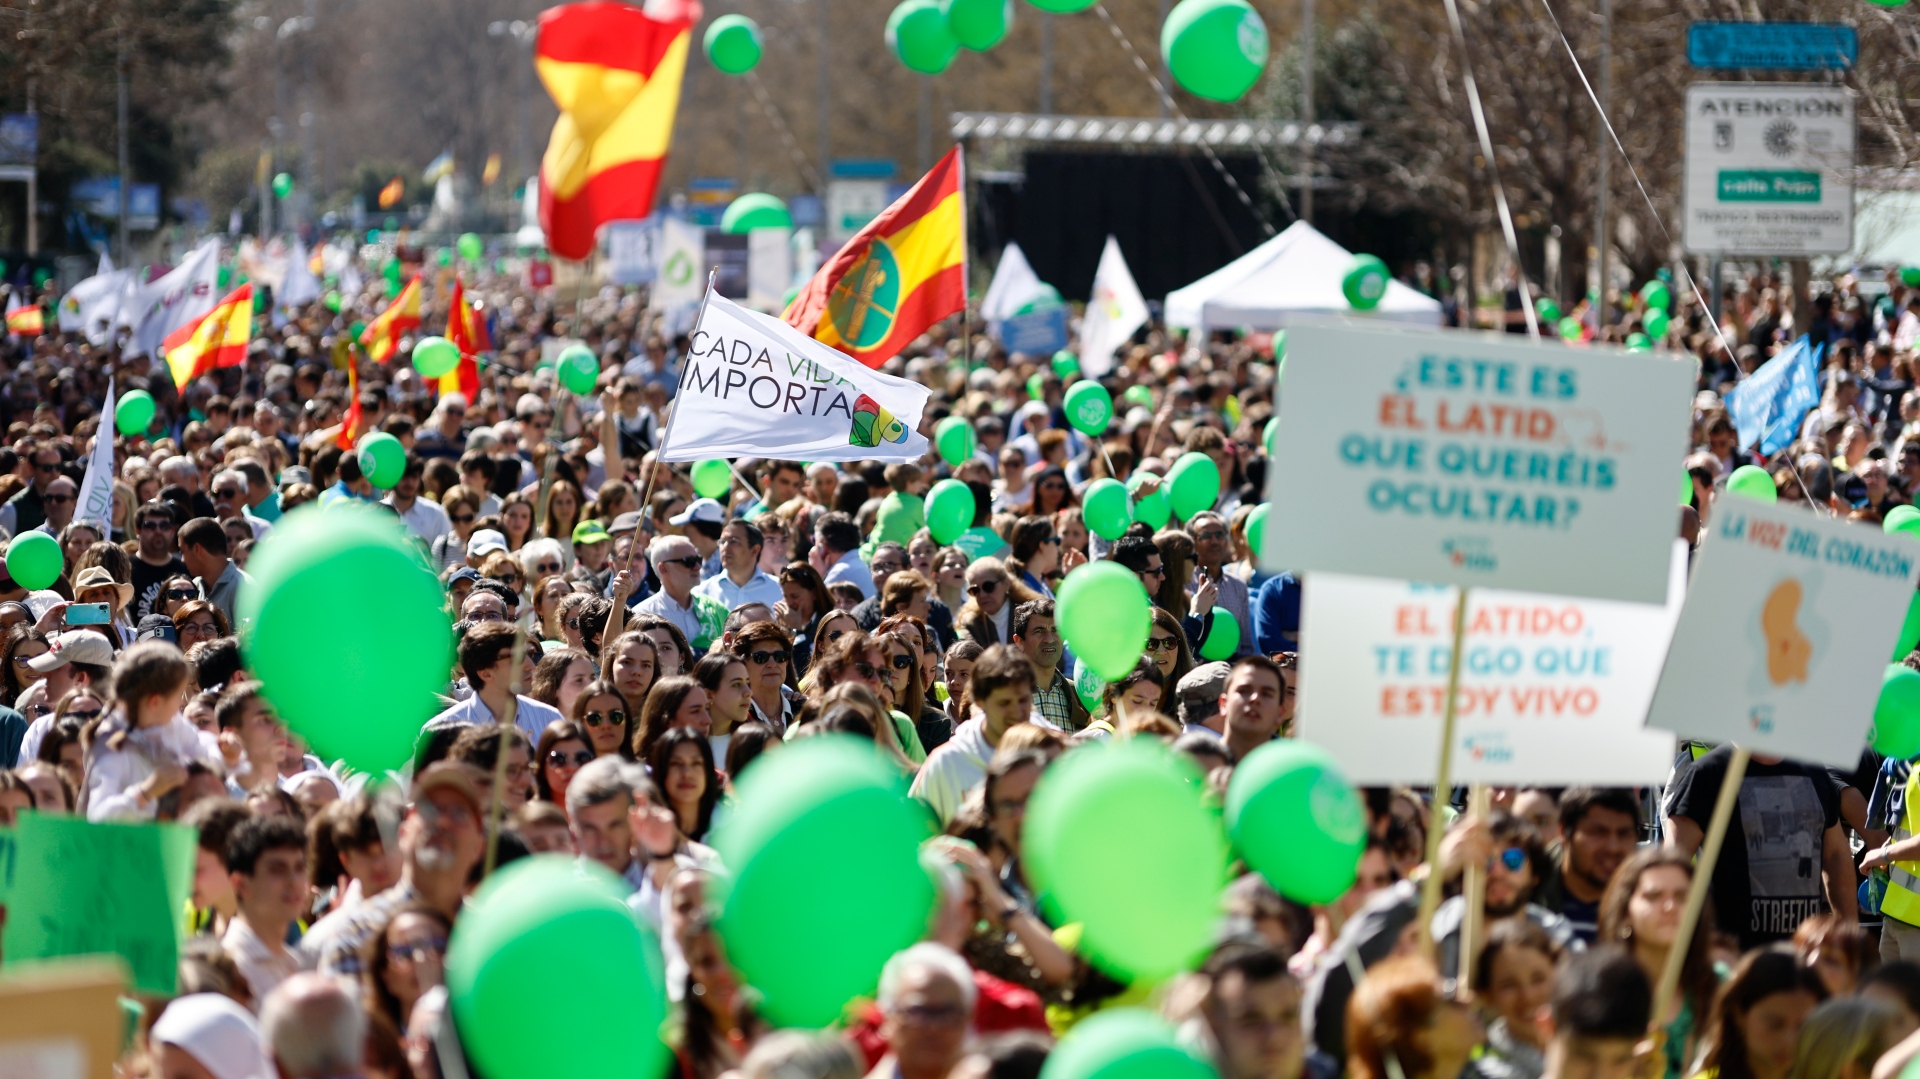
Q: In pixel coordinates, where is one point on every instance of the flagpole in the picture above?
(966, 267)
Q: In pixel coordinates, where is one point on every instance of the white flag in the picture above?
(90, 306)
(96, 487)
(683, 265)
(1014, 285)
(165, 305)
(106, 263)
(753, 386)
(1114, 311)
(350, 283)
(298, 286)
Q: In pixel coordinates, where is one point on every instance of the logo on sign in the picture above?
(1489, 747)
(1469, 552)
(1760, 718)
(1779, 138)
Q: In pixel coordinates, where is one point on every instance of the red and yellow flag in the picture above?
(215, 339)
(468, 332)
(615, 74)
(382, 336)
(26, 320)
(901, 274)
(350, 427)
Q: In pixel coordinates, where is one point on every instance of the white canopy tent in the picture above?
(1295, 275)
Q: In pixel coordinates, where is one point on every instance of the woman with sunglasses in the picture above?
(563, 751)
(505, 568)
(403, 960)
(929, 721)
(602, 714)
(682, 764)
(768, 653)
(992, 594)
(804, 601)
(1051, 493)
(462, 504)
(905, 692)
(832, 626)
(674, 701)
(559, 677)
(1035, 558)
(1167, 648)
(544, 558)
(24, 643)
(176, 592)
(724, 677)
(857, 659)
(633, 666)
(199, 620)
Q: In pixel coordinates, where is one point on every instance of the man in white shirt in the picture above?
(267, 862)
(424, 519)
(836, 553)
(677, 564)
(1002, 688)
(740, 579)
(486, 655)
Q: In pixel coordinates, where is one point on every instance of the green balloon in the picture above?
(471, 246)
(1657, 295)
(1686, 488)
(1548, 311)
(1066, 365)
(562, 924)
(1215, 49)
(732, 44)
(579, 369)
(1155, 509)
(1089, 407)
(34, 560)
(1104, 508)
(1909, 275)
(1104, 615)
(955, 438)
(435, 356)
(1089, 687)
(332, 300)
(1257, 531)
(1896, 715)
(1063, 7)
(1138, 395)
(1194, 481)
(1118, 838)
(133, 413)
(712, 479)
(917, 33)
(1656, 323)
(755, 210)
(282, 185)
(1903, 519)
(1267, 436)
(1909, 631)
(1365, 282)
(1223, 636)
(1639, 342)
(355, 331)
(1570, 329)
(1297, 820)
(810, 940)
(382, 459)
(444, 256)
(1037, 385)
(950, 510)
(1752, 481)
(1123, 1043)
(361, 697)
(978, 24)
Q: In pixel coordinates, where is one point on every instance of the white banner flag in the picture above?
(683, 265)
(90, 307)
(165, 305)
(96, 487)
(298, 286)
(1014, 284)
(753, 386)
(1114, 311)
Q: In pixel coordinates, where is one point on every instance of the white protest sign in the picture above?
(1472, 459)
(1553, 691)
(1785, 634)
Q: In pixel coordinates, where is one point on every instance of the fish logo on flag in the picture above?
(873, 424)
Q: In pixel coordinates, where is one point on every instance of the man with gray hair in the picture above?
(926, 997)
(620, 820)
(1197, 698)
(313, 1028)
(677, 563)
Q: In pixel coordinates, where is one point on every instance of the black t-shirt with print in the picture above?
(1768, 879)
(147, 579)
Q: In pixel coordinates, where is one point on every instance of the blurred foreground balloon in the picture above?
(1104, 615)
(1909, 631)
(732, 44)
(1123, 1043)
(382, 459)
(712, 479)
(1752, 481)
(435, 356)
(1257, 530)
(1223, 636)
(360, 696)
(1215, 49)
(1296, 820)
(1365, 282)
(1896, 715)
(823, 844)
(561, 924)
(917, 33)
(955, 438)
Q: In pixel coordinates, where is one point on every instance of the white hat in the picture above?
(485, 541)
(215, 1031)
(701, 509)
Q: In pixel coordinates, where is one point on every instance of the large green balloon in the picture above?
(1896, 715)
(1155, 509)
(561, 924)
(732, 44)
(712, 479)
(1223, 636)
(1194, 482)
(34, 560)
(1296, 820)
(917, 33)
(435, 356)
(1903, 519)
(1104, 616)
(950, 510)
(1656, 323)
(1089, 407)
(1118, 838)
(133, 413)
(579, 368)
(978, 24)
(755, 210)
(1257, 530)
(1365, 282)
(1104, 508)
(824, 847)
(1752, 481)
(956, 440)
(1909, 631)
(382, 459)
(362, 696)
(1123, 1043)
(282, 185)
(471, 246)
(1215, 49)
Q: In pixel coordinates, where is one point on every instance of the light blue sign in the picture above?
(1776, 46)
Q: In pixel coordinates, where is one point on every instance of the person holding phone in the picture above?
(99, 600)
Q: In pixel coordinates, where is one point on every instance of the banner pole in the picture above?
(1709, 854)
(1475, 892)
(1442, 780)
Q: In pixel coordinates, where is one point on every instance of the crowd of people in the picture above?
(631, 646)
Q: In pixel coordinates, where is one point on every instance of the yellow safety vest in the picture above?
(1902, 900)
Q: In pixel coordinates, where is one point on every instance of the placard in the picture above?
(1786, 631)
(1553, 691)
(1473, 459)
(1769, 169)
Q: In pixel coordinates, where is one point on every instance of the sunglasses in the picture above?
(227, 492)
(56, 499)
(865, 670)
(38, 467)
(547, 567)
(561, 759)
(1055, 540)
(692, 561)
(985, 588)
(508, 578)
(461, 518)
(1162, 644)
(1209, 536)
(1512, 857)
(413, 953)
(156, 526)
(900, 663)
(1156, 571)
(836, 634)
(770, 657)
(83, 715)
(183, 593)
(616, 718)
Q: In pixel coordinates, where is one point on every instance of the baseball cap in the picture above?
(449, 775)
(485, 541)
(74, 646)
(702, 509)
(463, 573)
(218, 1034)
(1199, 692)
(626, 522)
(590, 531)
(157, 627)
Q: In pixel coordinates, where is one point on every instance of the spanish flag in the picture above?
(615, 74)
(215, 339)
(468, 332)
(355, 418)
(24, 319)
(382, 336)
(901, 274)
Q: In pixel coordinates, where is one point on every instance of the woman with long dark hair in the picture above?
(1757, 1017)
(804, 601)
(1051, 493)
(563, 751)
(1167, 648)
(674, 701)
(1035, 558)
(1640, 912)
(682, 763)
